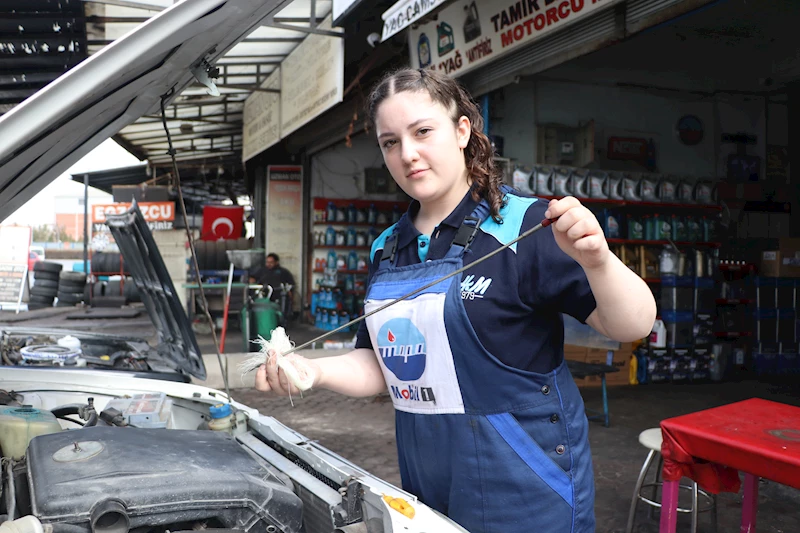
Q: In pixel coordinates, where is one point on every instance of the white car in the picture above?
(104, 433)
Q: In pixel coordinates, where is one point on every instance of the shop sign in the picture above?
(627, 148)
(739, 138)
(158, 215)
(404, 13)
(690, 130)
(284, 225)
(469, 33)
(312, 79)
(14, 263)
(262, 118)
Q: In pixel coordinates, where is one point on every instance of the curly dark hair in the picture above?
(444, 90)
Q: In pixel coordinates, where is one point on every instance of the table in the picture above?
(580, 370)
(579, 334)
(758, 437)
(218, 289)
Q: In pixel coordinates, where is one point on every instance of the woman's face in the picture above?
(422, 147)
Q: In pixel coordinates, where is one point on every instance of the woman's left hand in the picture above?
(578, 232)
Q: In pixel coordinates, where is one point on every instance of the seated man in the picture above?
(273, 275)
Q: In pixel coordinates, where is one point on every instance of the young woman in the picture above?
(490, 425)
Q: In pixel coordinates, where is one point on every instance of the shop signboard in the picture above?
(14, 264)
(468, 33)
(284, 215)
(158, 215)
(262, 117)
(312, 79)
(404, 13)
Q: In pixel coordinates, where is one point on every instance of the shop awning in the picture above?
(204, 127)
(200, 186)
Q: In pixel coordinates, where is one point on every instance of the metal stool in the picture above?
(651, 439)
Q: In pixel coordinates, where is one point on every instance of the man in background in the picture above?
(273, 274)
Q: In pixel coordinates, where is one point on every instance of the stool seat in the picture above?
(651, 439)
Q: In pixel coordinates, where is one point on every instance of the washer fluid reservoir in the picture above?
(19, 425)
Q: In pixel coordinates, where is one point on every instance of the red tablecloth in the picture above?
(756, 436)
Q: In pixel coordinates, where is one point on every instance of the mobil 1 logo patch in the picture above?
(404, 353)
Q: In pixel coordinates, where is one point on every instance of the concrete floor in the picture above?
(362, 430)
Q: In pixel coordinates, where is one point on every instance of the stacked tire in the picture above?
(70, 288)
(108, 264)
(211, 255)
(45, 284)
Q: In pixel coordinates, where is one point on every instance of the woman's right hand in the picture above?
(272, 379)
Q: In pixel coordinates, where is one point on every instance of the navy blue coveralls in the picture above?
(494, 447)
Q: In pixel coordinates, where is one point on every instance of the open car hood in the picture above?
(50, 131)
(176, 340)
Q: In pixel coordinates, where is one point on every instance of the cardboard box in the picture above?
(783, 262)
(574, 353)
(621, 359)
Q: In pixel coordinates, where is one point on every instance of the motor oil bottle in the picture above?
(330, 236)
(472, 24)
(445, 38)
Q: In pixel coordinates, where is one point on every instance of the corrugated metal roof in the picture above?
(207, 129)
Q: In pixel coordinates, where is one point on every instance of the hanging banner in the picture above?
(469, 33)
(158, 215)
(312, 79)
(14, 264)
(262, 118)
(284, 216)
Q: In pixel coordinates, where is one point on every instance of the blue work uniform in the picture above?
(495, 446)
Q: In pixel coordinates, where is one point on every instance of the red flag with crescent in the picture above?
(222, 222)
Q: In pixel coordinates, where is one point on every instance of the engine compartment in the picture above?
(154, 463)
(125, 469)
(43, 349)
(112, 480)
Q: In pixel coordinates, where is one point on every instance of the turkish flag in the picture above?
(222, 222)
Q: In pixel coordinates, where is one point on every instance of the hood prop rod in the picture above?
(171, 152)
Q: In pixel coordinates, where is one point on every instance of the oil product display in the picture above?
(344, 231)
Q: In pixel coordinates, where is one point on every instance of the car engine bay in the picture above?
(43, 348)
(137, 465)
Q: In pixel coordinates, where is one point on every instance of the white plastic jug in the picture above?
(658, 335)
